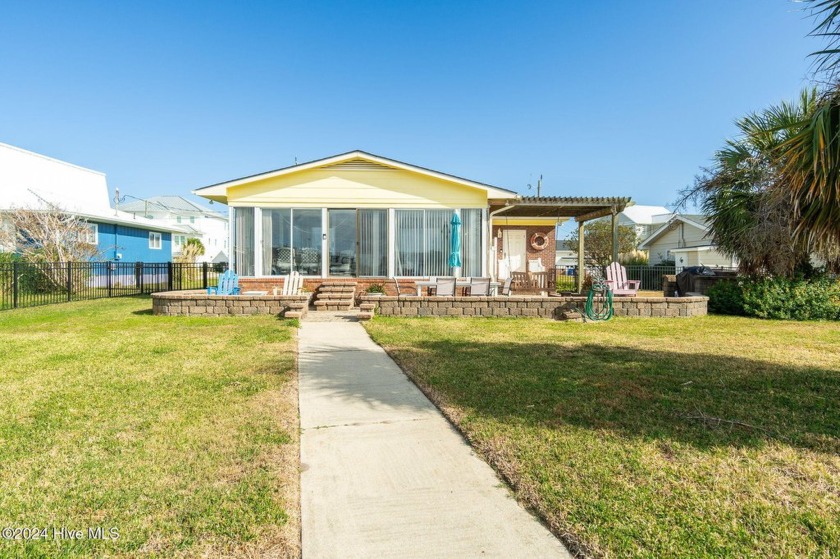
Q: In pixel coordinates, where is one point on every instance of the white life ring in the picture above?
(539, 241)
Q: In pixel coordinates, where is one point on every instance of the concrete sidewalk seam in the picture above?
(367, 423)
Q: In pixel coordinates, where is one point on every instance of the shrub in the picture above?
(726, 297)
(375, 288)
(779, 298)
(635, 259)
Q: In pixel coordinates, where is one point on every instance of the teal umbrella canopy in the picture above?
(455, 241)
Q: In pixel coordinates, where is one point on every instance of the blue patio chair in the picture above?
(228, 284)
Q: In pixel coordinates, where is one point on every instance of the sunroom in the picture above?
(359, 215)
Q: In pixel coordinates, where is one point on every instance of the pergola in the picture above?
(581, 208)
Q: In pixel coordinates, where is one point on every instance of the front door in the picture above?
(513, 253)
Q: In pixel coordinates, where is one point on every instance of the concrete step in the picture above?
(334, 308)
(344, 302)
(337, 289)
(325, 296)
(367, 307)
(334, 283)
(336, 299)
(333, 305)
(294, 314)
(365, 315)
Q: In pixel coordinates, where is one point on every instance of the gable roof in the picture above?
(352, 159)
(173, 204)
(644, 215)
(695, 220)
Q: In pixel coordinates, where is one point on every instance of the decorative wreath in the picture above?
(539, 241)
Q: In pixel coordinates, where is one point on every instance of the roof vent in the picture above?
(357, 165)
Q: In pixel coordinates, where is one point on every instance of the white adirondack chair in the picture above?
(618, 283)
(292, 283)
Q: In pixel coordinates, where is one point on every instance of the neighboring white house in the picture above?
(685, 239)
(200, 222)
(30, 180)
(644, 219)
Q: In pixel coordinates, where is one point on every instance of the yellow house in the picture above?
(359, 215)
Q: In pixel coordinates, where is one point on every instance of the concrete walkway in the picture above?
(384, 474)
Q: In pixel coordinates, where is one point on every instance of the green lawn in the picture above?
(611, 430)
(180, 433)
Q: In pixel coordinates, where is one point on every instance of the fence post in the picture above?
(15, 272)
(169, 279)
(204, 275)
(109, 279)
(138, 276)
(69, 282)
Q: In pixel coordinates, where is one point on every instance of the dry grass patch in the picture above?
(707, 437)
(179, 432)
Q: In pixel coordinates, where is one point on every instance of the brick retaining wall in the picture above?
(545, 307)
(199, 303)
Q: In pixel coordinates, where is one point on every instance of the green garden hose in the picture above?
(600, 308)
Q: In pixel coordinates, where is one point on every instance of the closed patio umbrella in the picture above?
(455, 242)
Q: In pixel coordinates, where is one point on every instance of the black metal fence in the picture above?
(30, 284)
(650, 276)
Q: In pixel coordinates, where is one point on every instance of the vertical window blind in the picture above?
(243, 240)
(373, 243)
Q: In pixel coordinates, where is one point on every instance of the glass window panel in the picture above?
(342, 242)
(277, 242)
(410, 240)
(438, 242)
(471, 231)
(243, 240)
(423, 240)
(373, 243)
(306, 241)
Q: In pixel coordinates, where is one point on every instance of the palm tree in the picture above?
(191, 250)
(810, 157)
(749, 221)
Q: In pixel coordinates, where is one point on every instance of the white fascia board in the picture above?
(690, 249)
(128, 221)
(221, 188)
(644, 244)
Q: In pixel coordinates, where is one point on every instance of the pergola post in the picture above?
(581, 271)
(614, 235)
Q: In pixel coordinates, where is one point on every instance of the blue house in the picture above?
(123, 239)
(31, 180)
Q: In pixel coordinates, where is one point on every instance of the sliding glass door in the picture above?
(343, 240)
(278, 254)
(291, 241)
(306, 241)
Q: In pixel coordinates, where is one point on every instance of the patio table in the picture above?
(424, 284)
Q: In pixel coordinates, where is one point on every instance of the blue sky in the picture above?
(600, 97)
